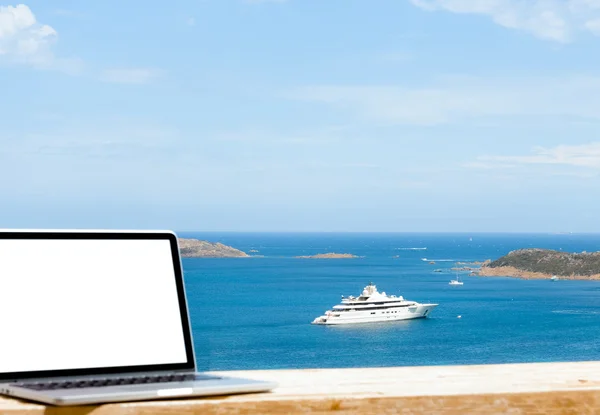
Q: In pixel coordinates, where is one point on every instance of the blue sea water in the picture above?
(255, 313)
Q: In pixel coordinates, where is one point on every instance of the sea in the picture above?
(255, 313)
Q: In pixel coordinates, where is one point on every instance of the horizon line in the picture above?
(399, 232)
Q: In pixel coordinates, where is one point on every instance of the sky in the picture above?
(301, 115)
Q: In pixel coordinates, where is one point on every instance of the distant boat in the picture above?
(554, 278)
(457, 281)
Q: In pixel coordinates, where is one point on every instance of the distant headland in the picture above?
(544, 264)
(195, 248)
(330, 255)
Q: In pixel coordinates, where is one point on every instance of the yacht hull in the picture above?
(377, 316)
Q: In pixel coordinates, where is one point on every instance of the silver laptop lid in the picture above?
(91, 303)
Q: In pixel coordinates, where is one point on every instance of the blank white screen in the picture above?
(70, 304)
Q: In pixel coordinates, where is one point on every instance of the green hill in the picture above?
(546, 261)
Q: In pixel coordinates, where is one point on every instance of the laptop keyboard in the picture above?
(102, 382)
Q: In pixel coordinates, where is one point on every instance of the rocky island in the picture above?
(195, 248)
(330, 255)
(544, 264)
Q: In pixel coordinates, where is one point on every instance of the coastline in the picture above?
(513, 272)
(196, 248)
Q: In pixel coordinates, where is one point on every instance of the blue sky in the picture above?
(299, 115)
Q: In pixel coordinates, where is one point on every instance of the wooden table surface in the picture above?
(540, 388)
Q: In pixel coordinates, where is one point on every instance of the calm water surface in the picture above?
(255, 313)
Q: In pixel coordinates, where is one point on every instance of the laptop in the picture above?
(91, 316)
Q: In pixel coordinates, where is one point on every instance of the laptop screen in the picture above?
(77, 303)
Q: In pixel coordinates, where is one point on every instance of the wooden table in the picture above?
(540, 388)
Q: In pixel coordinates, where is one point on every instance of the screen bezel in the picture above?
(117, 235)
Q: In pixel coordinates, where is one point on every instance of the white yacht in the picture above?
(457, 281)
(372, 306)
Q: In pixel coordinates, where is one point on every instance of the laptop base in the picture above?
(214, 386)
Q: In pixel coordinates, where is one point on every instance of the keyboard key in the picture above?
(103, 382)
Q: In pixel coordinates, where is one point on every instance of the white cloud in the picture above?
(556, 20)
(456, 99)
(130, 75)
(23, 40)
(582, 156)
(593, 26)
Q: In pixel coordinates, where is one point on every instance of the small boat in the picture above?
(457, 281)
(554, 278)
